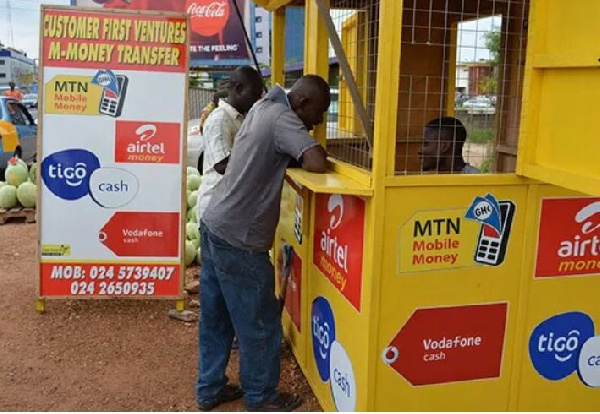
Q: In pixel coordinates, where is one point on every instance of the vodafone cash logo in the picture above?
(67, 173)
(208, 17)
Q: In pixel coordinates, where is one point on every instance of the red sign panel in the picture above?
(142, 234)
(338, 244)
(569, 237)
(147, 142)
(109, 279)
(98, 40)
(294, 291)
(441, 345)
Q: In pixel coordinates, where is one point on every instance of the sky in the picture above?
(25, 23)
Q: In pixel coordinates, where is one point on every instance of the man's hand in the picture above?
(314, 160)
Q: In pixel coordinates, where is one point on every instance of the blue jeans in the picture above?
(237, 297)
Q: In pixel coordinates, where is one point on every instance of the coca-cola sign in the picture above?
(209, 17)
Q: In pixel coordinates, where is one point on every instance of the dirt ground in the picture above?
(98, 355)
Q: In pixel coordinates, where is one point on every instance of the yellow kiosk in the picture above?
(419, 291)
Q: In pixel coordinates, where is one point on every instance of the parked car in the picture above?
(18, 132)
(479, 105)
(30, 100)
(195, 145)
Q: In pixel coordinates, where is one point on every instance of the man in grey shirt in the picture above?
(237, 282)
(443, 141)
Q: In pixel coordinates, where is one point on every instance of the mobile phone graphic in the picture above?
(491, 245)
(111, 103)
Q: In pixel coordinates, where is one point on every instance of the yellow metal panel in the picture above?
(351, 171)
(298, 339)
(434, 180)
(330, 183)
(272, 5)
(450, 285)
(545, 298)
(278, 47)
(316, 53)
(561, 95)
(350, 326)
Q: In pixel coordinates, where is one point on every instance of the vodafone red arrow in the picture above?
(439, 345)
(143, 234)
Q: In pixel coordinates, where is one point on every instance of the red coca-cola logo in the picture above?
(209, 17)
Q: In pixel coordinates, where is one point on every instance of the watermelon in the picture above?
(27, 194)
(193, 182)
(192, 171)
(16, 172)
(8, 196)
(33, 173)
(191, 231)
(192, 199)
(190, 252)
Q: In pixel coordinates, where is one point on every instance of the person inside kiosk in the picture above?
(442, 150)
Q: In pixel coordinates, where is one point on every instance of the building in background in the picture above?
(469, 77)
(261, 34)
(15, 67)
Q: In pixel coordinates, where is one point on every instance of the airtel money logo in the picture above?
(330, 245)
(147, 142)
(555, 344)
(209, 17)
(569, 237)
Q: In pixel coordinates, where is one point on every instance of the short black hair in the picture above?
(245, 74)
(451, 130)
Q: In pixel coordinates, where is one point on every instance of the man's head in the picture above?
(12, 86)
(310, 99)
(245, 88)
(443, 140)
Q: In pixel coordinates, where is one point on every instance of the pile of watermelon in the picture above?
(192, 242)
(20, 187)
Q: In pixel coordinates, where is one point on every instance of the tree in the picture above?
(492, 39)
(489, 84)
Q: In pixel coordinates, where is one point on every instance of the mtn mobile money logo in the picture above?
(496, 222)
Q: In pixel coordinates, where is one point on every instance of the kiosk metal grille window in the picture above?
(462, 59)
(357, 25)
